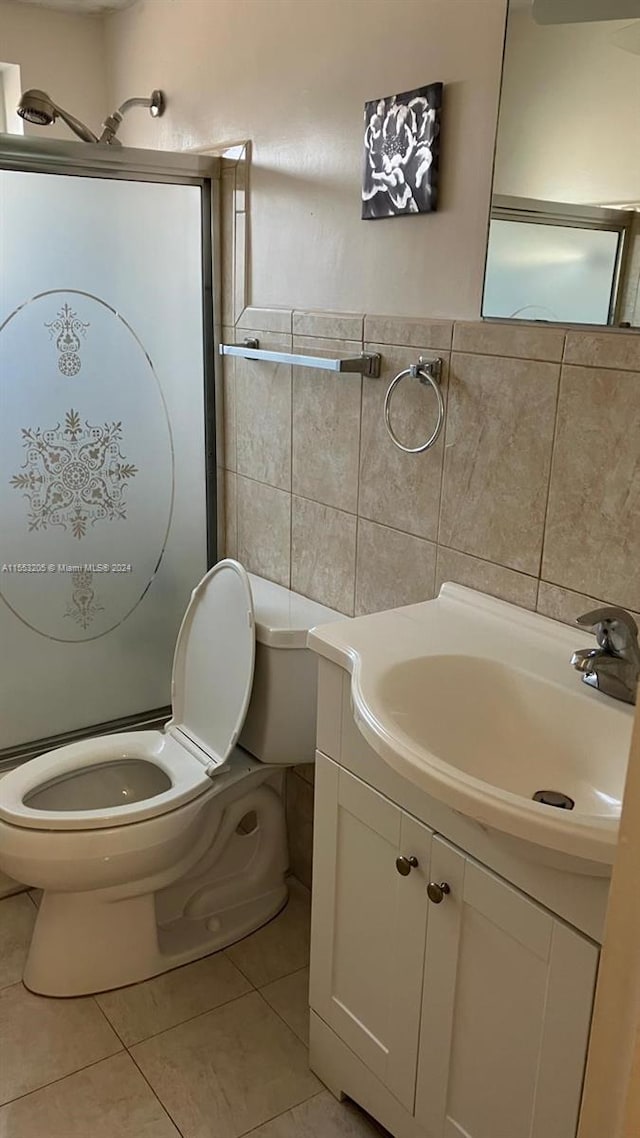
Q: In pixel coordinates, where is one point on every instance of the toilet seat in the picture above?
(211, 685)
(187, 775)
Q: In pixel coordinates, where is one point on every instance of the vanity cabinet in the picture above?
(472, 1009)
(369, 926)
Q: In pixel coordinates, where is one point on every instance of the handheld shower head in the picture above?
(37, 107)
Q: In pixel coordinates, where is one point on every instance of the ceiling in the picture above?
(82, 6)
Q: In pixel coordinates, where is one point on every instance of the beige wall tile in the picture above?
(499, 436)
(42, 1040)
(506, 584)
(145, 1009)
(227, 1071)
(323, 554)
(289, 997)
(392, 568)
(326, 427)
(410, 333)
(230, 490)
(397, 489)
(299, 800)
(335, 325)
(562, 604)
(264, 530)
(109, 1100)
(266, 319)
(592, 537)
(279, 948)
(263, 418)
(615, 349)
(522, 341)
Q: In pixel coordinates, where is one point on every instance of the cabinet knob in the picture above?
(436, 893)
(404, 865)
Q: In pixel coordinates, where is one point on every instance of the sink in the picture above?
(514, 730)
(475, 701)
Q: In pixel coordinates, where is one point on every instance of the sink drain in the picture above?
(554, 798)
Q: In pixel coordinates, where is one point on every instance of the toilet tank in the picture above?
(280, 726)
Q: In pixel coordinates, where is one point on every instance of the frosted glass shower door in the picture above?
(103, 513)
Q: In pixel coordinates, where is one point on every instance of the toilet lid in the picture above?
(213, 664)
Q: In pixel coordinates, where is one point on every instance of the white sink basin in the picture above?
(476, 702)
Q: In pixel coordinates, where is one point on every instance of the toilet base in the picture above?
(80, 947)
(232, 883)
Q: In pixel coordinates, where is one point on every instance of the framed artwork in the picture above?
(401, 152)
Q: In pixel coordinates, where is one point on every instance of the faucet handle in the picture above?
(615, 629)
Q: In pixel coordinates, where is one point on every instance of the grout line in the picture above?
(275, 1117)
(281, 1017)
(164, 1108)
(291, 468)
(443, 450)
(486, 561)
(552, 459)
(68, 1075)
(506, 356)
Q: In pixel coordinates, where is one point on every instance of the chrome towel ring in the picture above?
(429, 373)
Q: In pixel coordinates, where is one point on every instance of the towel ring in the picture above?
(428, 372)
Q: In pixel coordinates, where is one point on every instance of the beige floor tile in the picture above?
(145, 1009)
(227, 1071)
(17, 917)
(108, 1100)
(279, 948)
(321, 1117)
(289, 997)
(42, 1039)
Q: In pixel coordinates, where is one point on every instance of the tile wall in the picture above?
(532, 492)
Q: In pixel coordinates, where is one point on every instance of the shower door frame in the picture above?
(32, 154)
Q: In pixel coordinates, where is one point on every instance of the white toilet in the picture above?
(154, 848)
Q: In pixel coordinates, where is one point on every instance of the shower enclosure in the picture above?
(107, 429)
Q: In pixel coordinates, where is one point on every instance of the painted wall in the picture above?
(61, 52)
(569, 121)
(293, 76)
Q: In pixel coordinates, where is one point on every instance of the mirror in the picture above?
(564, 232)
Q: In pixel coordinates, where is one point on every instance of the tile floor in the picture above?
(216, 1049)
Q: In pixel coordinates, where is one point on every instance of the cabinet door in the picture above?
(506, 1011)
(368, 925)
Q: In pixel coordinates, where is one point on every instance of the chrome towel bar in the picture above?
(428, 372)
(368, 363)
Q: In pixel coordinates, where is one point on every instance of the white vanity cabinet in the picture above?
(506, 1010)
(465, 1017)
(369, 925)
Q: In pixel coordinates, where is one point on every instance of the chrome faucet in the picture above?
(614, 666)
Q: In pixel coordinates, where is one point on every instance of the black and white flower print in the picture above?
(401, 149)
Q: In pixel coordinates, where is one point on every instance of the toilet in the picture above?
(154, 848)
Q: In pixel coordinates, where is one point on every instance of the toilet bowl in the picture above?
(154, 848)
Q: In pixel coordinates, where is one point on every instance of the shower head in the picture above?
(38, 107)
